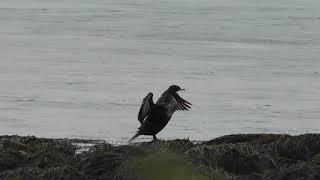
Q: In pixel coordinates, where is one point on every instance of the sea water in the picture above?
(80, 68)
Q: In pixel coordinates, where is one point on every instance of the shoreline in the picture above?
(237, 156)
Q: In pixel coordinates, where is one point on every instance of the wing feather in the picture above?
(181, 103)
(145, 108)
(180, 107)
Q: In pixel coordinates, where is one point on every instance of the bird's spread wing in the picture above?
(145, 108)
(181, 103)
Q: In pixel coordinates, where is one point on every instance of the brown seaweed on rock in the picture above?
(239, 157)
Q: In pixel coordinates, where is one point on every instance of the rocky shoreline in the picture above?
(239, 157)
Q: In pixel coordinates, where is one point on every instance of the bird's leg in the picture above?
(155, 138)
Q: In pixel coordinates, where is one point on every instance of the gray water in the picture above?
(80, 68)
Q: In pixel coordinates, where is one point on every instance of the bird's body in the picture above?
(154, 117)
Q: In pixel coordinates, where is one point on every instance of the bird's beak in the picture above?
(182, 89)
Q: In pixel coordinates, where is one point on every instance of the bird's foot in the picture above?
(155, 139)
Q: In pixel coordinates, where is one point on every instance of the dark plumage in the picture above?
(153, 117)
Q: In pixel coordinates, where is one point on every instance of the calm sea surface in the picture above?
(80, 68)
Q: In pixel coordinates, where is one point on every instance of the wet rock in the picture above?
(10, 144)
(21, 173)
(236, 159)
(247, 138)
(56, 173)
(301, 171)
(11, 159)
(178, 145)
(63, 172)
(301, 147)
(316, 159)
(101, 164)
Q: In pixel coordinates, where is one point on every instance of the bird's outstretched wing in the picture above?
(145, 108)
(181, 103)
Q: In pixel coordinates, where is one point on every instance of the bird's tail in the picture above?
(134, 137)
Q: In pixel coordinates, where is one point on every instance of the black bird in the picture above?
(154, 117)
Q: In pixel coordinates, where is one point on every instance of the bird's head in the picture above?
(150, 94)
(174, 89)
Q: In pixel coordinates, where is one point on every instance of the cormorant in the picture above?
(154, 117)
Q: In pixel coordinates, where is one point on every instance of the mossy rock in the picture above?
(159, 166)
